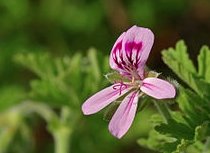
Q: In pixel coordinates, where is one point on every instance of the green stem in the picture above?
(164, 110)
(62, 132)
(59, 127)
(62, 139)
(12, 120)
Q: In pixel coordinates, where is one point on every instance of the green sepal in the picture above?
(114, 77)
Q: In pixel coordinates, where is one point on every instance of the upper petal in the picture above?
(116, 53)
(131, 50)
(158, 88)
(124, 116)
(136, 45)
(103, 98)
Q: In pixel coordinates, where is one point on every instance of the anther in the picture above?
(133, 79)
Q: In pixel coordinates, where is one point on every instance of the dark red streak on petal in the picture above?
(118, 47)
(130, 103)
(129, 48)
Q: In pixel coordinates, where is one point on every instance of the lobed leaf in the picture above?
(178, 60)
(203, 63)
(189, 123)
(62, 79)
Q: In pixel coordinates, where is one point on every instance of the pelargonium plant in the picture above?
(128, 57)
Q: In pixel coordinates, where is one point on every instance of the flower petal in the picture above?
(131, 50)
(136, 45)
(158, 88)
(103, 98)
(116, 54)
(124, 116)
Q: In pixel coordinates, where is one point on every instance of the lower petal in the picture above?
(124, 116)
(103, 98)
(158, 88)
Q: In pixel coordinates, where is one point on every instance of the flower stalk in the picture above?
(59, 126)
(163, 110)
(62, 130)
(62, 139)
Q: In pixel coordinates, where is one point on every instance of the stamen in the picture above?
(133, 79)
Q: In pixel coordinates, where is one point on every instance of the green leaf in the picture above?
(201, 131)
(39, 63)
(188, 125)
(53, 86)
(182, 146)
(182, 130)
(178, 60)
(74, 70)
(62, 79)
(158, 142)
(203, 88)
(190, 103)
(93, 75)
(196, 147)
(52, 92)
(203, 63)
(180, 56)
(94, 66)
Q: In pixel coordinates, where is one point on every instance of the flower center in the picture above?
(136, 83)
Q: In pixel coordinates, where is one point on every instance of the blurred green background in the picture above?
(68, 27)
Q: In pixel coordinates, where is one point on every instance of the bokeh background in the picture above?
(66, 27)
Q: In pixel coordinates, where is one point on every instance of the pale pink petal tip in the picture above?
(103, 98)
(131, 50)
(124, 116)
(158, 88)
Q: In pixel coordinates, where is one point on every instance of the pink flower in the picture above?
(128, 56)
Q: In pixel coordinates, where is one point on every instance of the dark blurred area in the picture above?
(64, 27)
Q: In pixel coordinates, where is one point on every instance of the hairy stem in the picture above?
(163, 109)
